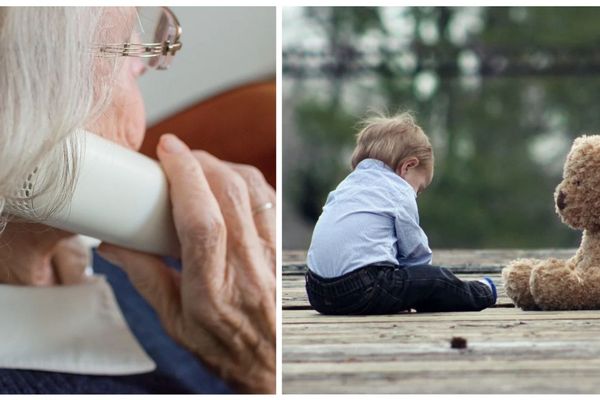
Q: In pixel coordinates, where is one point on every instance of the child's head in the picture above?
(400, 143)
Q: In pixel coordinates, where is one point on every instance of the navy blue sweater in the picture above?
(177, 370)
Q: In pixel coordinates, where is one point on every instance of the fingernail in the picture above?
(171, 144)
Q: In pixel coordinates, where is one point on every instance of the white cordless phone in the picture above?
(120, 197)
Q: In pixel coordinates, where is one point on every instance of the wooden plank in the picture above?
(542, 352)
(455, 381)
(466, 366)
(454, 257)
(440, 332)
(503, 366)
(508, 350)
(490, 314)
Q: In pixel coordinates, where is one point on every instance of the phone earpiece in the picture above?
(120, 197)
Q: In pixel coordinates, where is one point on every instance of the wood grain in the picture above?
(507, 350)
(237, 125)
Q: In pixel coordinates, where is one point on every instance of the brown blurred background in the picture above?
(218, 94)
(237, 125)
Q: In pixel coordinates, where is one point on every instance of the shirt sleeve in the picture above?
(412, 243)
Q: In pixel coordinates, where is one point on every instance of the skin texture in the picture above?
(574, 283)
(35, 254)
(222, 304)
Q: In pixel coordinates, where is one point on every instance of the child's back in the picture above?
(368, 254)
(370, 217)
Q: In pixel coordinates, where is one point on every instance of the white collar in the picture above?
(76, 329)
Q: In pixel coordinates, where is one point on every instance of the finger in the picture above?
(156, 282)
(243, 240)
(71, 258)
(258, 186)
(262, 200)
(25, 255)
(35, 274)
(198, 218)
(231, 191)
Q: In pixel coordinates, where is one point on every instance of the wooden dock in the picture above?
(508, 350)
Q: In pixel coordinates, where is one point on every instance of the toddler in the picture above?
(368, 254)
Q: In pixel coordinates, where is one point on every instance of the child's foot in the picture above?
(489, 283)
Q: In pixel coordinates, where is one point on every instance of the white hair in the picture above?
(52, 83)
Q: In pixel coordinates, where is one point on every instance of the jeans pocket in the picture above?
(351, 303)
(355, 302)
(388, 298)
(382, 302)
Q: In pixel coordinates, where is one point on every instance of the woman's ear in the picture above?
(405, 165)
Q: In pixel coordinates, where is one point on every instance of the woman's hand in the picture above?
(222, 304)
(38, 255)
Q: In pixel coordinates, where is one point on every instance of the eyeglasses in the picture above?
(156, 42)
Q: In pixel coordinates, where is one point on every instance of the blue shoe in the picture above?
(490, 283)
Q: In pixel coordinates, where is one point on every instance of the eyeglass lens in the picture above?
(156, 26)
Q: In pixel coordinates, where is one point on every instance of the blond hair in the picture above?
(392, 139)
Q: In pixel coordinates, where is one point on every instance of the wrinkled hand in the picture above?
(38, 255)
(222, 304)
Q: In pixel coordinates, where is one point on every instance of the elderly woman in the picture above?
(70, 68)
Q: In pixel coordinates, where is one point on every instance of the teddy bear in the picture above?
(572, 284)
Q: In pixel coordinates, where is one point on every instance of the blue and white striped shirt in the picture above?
(372, 216)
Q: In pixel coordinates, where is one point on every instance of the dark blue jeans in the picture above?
(387, 289)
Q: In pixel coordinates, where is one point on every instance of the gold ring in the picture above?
(268, 205)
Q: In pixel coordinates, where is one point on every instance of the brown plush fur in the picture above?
(571, 284)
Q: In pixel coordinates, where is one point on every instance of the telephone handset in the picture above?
(120, 197)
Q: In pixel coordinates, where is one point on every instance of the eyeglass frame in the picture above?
(144, 50)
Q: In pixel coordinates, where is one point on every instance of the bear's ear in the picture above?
(586, 145)
(579, 141)
(584, 153)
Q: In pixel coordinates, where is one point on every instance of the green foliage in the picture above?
(489, 190)
(326, 131)
(324, 125)
(541, 26)
(346, 20)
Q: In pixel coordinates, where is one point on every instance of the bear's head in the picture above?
(577, 197)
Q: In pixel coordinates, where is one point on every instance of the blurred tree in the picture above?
(501, 91)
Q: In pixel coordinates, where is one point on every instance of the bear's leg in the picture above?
(516, 277)
(556, 286)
